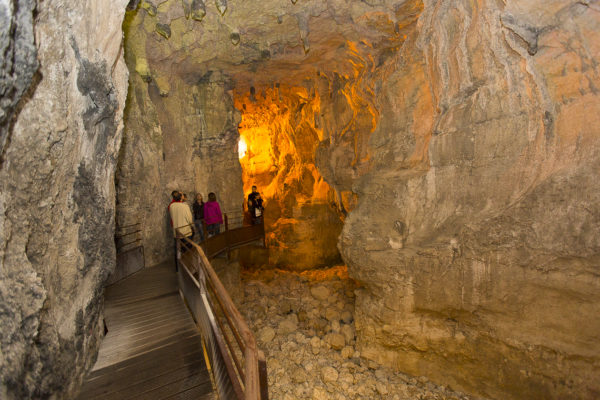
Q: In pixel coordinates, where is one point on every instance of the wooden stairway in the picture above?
(153, 348)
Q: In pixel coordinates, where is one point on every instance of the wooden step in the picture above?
(153, 349)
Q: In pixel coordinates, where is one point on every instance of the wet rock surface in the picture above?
(311, 350)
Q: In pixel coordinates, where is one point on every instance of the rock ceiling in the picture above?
(266, 42)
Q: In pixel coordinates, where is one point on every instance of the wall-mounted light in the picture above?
(242, 148)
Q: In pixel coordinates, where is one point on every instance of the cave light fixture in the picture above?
(242, 147)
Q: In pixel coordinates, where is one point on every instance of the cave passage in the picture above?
(281, 136)
(429, 170)
(304, 109)
(419, 143)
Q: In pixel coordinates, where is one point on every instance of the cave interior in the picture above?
(441, 155)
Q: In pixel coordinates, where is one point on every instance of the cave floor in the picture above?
(153, 349)
(304, 322)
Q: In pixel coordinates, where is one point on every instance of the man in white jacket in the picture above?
(182, 218)
(183, 222)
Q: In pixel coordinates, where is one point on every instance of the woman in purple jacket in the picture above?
(212, 215)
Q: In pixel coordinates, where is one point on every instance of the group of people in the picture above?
(185, 224)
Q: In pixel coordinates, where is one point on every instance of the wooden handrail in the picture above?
(251, 383)
(253, 372)
(130, 225)
(123, 237)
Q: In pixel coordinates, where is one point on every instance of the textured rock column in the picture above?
(57, 195)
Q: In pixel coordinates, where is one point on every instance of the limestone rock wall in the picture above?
(19, 62)
(180, 134)
(480, 214)
(56, 189)
(187, 56)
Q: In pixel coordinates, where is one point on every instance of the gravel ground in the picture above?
(304, 323)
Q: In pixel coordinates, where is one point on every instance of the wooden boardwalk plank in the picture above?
(153, 348)
(194, 393)
(167, 356)
(151, 380)
(111, 356)
(168, 385)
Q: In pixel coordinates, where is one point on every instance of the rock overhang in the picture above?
(271, 42)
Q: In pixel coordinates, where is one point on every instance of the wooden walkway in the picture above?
(152, 349)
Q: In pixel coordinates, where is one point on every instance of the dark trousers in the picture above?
(213, 229)
(200, 228)
(175, 254)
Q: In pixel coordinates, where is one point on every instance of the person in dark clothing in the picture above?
(255, 206)
(198, 209)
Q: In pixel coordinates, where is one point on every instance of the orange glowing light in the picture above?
(242, 147)
(279, 130)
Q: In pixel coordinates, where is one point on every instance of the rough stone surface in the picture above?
(19, 63)
(56, 189)
(300, 364)
(180, 134)
(320, 293)
(476, 233)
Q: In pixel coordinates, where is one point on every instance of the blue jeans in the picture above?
(199, 229)
(213, 229)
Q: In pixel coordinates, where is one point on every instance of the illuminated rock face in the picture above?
(301, 216)
(57, 165)
(180, 134)
(181, 126)
(459, 140)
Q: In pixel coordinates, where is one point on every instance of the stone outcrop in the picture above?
(56, 188)
(480, 212)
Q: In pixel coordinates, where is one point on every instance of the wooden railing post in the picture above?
(227, 236)
(262, 374)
